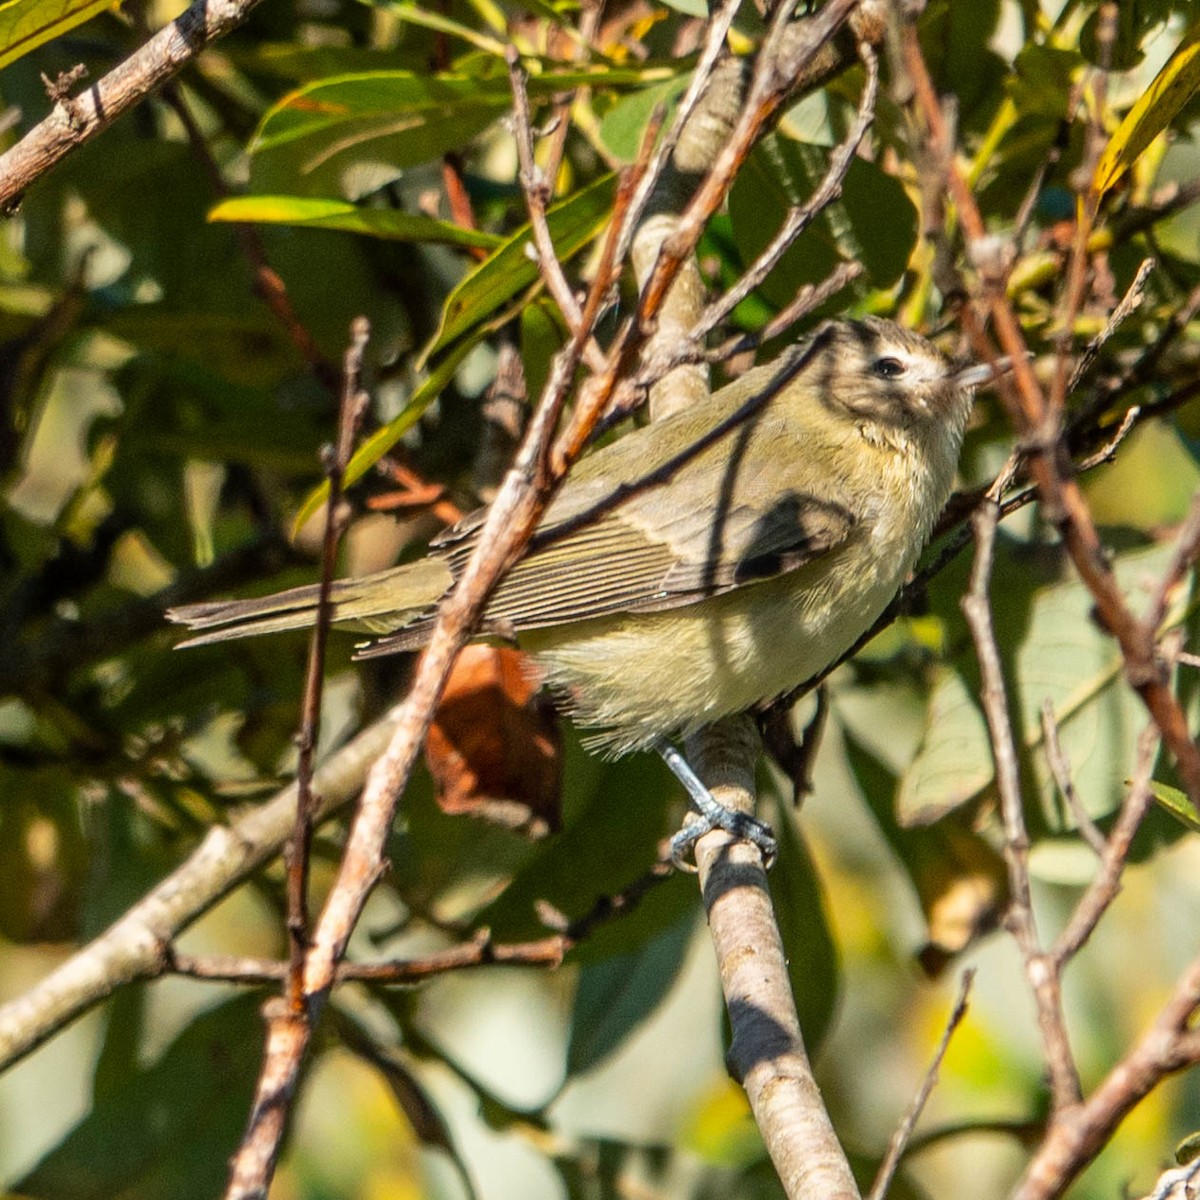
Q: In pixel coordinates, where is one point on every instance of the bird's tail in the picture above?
(379, 603)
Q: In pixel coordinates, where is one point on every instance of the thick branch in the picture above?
(767, 1053)
(77, 120)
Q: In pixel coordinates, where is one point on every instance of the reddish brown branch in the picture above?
(1077, 1135)
(350, 413)
(1038, 425)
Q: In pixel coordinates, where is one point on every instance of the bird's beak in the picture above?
(975, 375)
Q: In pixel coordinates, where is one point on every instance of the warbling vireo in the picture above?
(705, 562)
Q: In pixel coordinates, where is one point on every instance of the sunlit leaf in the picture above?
(1175, 84)
(573, 223)
(27, 24)
(1053, 650)
(312, 212)
(1175, 802)
(316, 137)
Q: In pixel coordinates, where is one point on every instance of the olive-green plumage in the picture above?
(707, 561)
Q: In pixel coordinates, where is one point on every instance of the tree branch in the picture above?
(77, 120)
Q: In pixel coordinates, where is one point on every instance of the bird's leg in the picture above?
(711, 814)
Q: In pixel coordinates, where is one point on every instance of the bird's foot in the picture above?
(711, 814)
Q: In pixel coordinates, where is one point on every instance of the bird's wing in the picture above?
(652, 523)
(643, 557)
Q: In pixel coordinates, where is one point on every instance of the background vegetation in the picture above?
(175, 300)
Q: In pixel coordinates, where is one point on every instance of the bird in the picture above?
(703, 563)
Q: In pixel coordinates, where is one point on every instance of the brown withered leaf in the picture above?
(494, 749)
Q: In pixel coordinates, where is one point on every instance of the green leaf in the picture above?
(27, 24)
(690, 8)
(624, 125)
(318, 137)
(874, 223)
(311, 212)
(1155, 109)
(573, 223)
(541, 338)
(577, 867)
(1052, 649)
(954, 762)
(617, 995)
(1175, 802)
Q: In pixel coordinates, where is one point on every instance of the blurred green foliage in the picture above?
(161, 436)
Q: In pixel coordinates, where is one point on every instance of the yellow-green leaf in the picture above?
(27, 24)
(1156, 108)
(1176, 803)
(573, 223)
(311, 212)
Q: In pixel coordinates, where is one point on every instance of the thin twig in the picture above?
(1060, 768)
(1114, 851)
(1075, 1136)
(1037, 423)
(536, 190)
(350, 413)
(1040, 969)
(904, 1131)
(800, 216)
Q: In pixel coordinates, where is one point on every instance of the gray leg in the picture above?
(711, 814)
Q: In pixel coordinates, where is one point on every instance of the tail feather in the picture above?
(379, 603)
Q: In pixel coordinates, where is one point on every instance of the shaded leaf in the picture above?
(617, 995)
(808, 944)
(959, 878)
(874, 223)
(382, 440)
(193, 1099)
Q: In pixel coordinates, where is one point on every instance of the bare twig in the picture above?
(1114, 850)
(133, 946)
(1129, 302)
(1039, 968)
(800, 216)
(1060, 768)
(1181, 1183)
(350, 414)
(164, 55)
(904, 1131)
(1077, 1135)
(537, 190)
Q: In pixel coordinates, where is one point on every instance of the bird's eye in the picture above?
(888, 368)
